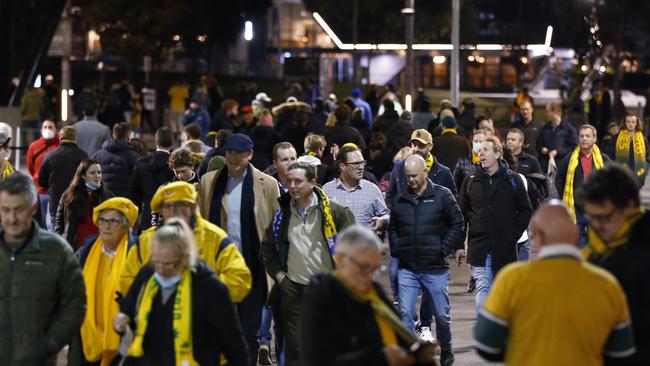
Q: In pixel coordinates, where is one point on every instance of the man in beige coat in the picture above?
(243, 200)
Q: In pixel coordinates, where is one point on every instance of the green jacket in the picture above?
(276, 253)
(31, 106)
(42, 298)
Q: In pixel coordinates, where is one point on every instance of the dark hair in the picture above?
(310, 170)
(342, 113)
(77, 193)
(20, 183)
(342, 155)
(222, 136)
(301, 117)
(164, 137)
(139, 146)
(388, 104)
(121, 131)
(90, 110)
(614, 182)
(280, 145)
(193, 130)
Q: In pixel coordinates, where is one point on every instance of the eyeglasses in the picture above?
(165, 265)
(111, 222)
(602, 218)
(363, 267)
(357, 164)
(175, 205)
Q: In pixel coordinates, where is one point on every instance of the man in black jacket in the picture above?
(59, 167)
(618, 242)
(149, 173)
(347, 318)
(426, 226)
(497, 209)
(117, 158)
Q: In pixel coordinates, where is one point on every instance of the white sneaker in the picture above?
(425, 335)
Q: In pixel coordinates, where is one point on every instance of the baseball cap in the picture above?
(262, 97)
(422, 136)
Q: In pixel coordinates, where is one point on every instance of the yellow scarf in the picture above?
(597, 249)
(449, 130)
(329, 227)
(623, 151)
(7, 169)
(475, 158)
(429, 162)
(389, 324)
(567, 197)
(101, 344)
(182, 320)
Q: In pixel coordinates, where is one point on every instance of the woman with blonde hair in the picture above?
(179, 312)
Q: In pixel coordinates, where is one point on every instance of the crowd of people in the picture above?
(254, 227)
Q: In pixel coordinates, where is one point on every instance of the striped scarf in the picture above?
(429, 162)
(567, 197)
(329, 227)
(597, 250)
(182, 320)
(623, 152)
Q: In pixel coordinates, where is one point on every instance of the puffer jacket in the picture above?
(42, 299)
(424, 232)
(117, 158)
(150, 172)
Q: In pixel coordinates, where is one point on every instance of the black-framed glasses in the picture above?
(601, 217)
(357, 164)
(110, 222)
(364, 267)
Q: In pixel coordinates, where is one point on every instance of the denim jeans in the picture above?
(265, 328)
(393, 265)
(44, 199)
(435, 285)
(523, 251)
(583, 224)
(483, 277)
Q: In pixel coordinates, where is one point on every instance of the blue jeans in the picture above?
(523, 251)
(44, 199)
(583, 224)
(483, 277)
(393, 265)
(435, 285)
(265, 328)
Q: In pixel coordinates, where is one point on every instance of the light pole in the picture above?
(455, 52)
(409, 13)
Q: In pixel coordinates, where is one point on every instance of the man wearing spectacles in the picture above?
(618, 240)
(362, 197)
(178, 199)
(305, 233)
(426, 227)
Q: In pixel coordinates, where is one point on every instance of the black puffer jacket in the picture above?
(215, 325)
(497, 210)
(57, 171)
(422, 233)
(149, 173)
(117, 158)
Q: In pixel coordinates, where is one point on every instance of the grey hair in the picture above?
(357, 238)
(177, 234)
(20, 183)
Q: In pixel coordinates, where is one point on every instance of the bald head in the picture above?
(552, 224)
(416, 173)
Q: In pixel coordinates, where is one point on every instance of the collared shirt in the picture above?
(365, 200)
(308, 250)
(233, 204)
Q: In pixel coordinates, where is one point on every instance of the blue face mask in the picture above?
(91, 186)
(167, 282)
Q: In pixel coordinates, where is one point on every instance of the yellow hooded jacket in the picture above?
(215, 248)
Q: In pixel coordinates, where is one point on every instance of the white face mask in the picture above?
(48, 134)
(476, 146)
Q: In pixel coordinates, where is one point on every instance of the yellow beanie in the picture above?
(120, 204)
(175, 191)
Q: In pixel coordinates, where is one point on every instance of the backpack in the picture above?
(544, 186)
(509, 173)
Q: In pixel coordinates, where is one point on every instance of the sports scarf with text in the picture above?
(623, 151)
(181, 323)
(574, 160)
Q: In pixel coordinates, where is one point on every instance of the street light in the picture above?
(409, 13)
(248, 30)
